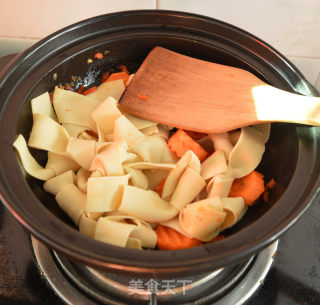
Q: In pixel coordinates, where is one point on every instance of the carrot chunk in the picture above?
(159, 187)
(105, 77)
(249, 187)
(217, 238)
(98, 55)
(170, 239)
(81, 89)
(271, 184)
(90, 90)
(119, 75)
(123, 68)
(181, 142)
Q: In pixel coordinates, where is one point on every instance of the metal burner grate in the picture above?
(80, 284)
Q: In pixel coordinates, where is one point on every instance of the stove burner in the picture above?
(79, 284)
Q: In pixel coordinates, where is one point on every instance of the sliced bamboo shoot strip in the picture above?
(61, 163)
(112, 89)
(72, 201)
(154, 149)
(222, 142)
(188, 159)
(105, 115)
(110, 159)
(124, 130)
(235, 209)
(189, 186)
(42, 104)
(87, 226)
(220, 185)
(73, 130)
(82, 179)
(146, 205)
(247, 153)
(74, 108)
(137, 178)
(48, 135)
(104, 194)
(203, 219)
(31, 166)
(56, 184)
(81, 151)
(214, 165)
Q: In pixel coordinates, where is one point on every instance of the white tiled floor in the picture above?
(291, 26)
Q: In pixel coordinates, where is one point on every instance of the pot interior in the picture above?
(276, 163)
(291, 153)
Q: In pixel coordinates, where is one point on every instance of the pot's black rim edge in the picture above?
(267, 241)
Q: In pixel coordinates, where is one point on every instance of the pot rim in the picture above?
(214, 255)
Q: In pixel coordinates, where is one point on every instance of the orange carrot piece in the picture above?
(119, 75)
(123, 68)
(142, 97)
(181, 142)
(90, 90)
(249, 187)
(265, 196)
(196, 135)
(80, 90)
(217, 238)
(271, 184)
(105, 77)
(170, 239)
(159, 187)
(67, 86)
(98, 55)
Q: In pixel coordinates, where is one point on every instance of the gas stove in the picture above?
(286, 272)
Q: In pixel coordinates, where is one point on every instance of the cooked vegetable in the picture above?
(249, 187)
(98, 55)
(105, 77)
(181, 142)
(159, 187)
(90, 90)
(217, 238)
(170, 239)
(129, 180)
(271, 184)
(123, 68)
(119, 75)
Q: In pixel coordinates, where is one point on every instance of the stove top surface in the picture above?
(294, 277)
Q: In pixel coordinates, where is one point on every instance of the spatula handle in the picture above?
(275, 105)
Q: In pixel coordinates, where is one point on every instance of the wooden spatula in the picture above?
(193, 94)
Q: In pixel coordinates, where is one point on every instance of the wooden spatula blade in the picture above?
(189, 93)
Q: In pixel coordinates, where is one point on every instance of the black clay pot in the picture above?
(291, 158)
